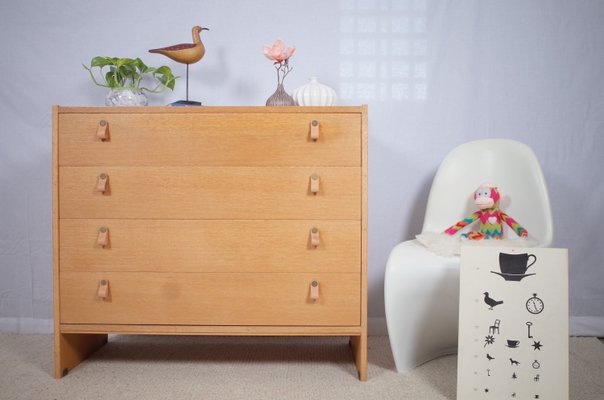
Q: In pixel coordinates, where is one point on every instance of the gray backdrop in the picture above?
(434, 73)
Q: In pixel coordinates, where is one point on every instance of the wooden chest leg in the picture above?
(71, 349)
(359, 351)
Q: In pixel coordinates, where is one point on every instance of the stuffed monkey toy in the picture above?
(487, 197)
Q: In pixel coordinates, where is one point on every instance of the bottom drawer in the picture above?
(210, 299)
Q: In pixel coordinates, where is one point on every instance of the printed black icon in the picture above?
(495, 327)
(486, 390)
(513, 266)
(536, 396)
(489, 357)
(537, 345)
(536, 365)
(488, 372)
(534, 304)
(513, 344)
(491, 302)
(514, 394)
(488, 340)
(529, 324)
(514, 376)
(514, 362)
(536, 378)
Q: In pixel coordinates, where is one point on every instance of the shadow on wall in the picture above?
(25, 240)
(214, 70)
(396, 208)
(418, 208)
(213, 83)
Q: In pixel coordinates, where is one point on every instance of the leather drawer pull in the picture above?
(103, 238)
(314, 130)
(314, 237)
(102, 130)
(315, 182)
(102, 185)
(314, 290)
(103, 290)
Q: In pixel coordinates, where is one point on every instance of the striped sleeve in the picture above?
(516, 227)
(453, 229)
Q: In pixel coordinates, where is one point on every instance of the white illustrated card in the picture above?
(513, 324)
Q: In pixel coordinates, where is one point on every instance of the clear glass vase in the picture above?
(126, 97)
(280, 98)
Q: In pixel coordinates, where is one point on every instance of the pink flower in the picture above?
(278, 53)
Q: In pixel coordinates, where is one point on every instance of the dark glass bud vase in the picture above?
(280, 98)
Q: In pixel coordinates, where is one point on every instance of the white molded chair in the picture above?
(421, 289)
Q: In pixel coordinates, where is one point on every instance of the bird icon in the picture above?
(491, 302)
(489, 357)
(186, 53)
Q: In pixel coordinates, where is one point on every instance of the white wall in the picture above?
(434, 73)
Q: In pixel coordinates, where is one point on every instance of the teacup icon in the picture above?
(512, 344)
(514, 266)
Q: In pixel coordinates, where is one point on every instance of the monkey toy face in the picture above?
(486, 197)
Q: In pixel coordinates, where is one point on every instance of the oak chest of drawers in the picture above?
(209, 221)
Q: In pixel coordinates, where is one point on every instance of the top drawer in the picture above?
(210, 139)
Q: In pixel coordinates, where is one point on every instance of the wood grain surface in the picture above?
(210, 298)
(211, 193)
(210, 246)
(221, 139)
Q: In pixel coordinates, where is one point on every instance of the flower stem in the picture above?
(283, 69)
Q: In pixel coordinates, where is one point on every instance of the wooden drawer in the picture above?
(210, 193)
(210, 246)
(231, 139)
(210, 299)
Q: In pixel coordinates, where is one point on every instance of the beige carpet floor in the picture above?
(155, 367)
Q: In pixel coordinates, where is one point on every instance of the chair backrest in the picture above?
(511, 166)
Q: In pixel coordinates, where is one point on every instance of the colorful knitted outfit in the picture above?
(491, 217)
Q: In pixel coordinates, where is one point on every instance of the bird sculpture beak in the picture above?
(204, 29)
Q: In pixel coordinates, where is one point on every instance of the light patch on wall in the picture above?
(367, 69)
(383, 50)
(347, 69)
(367, 47)
(347, 24)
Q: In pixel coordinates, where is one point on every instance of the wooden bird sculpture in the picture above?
(186, 53)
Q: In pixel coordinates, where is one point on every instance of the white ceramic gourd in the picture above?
(315, 94)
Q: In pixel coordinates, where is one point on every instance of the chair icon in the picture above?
(495, 327)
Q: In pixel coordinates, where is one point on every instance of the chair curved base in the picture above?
(421, 295)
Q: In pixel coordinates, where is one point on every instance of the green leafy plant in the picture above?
(128, 73)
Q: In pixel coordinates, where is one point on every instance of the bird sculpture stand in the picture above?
(186, 53)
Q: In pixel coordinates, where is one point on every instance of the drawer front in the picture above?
(253, 139)
(210, 299)
(210, 193)
(210, 246)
